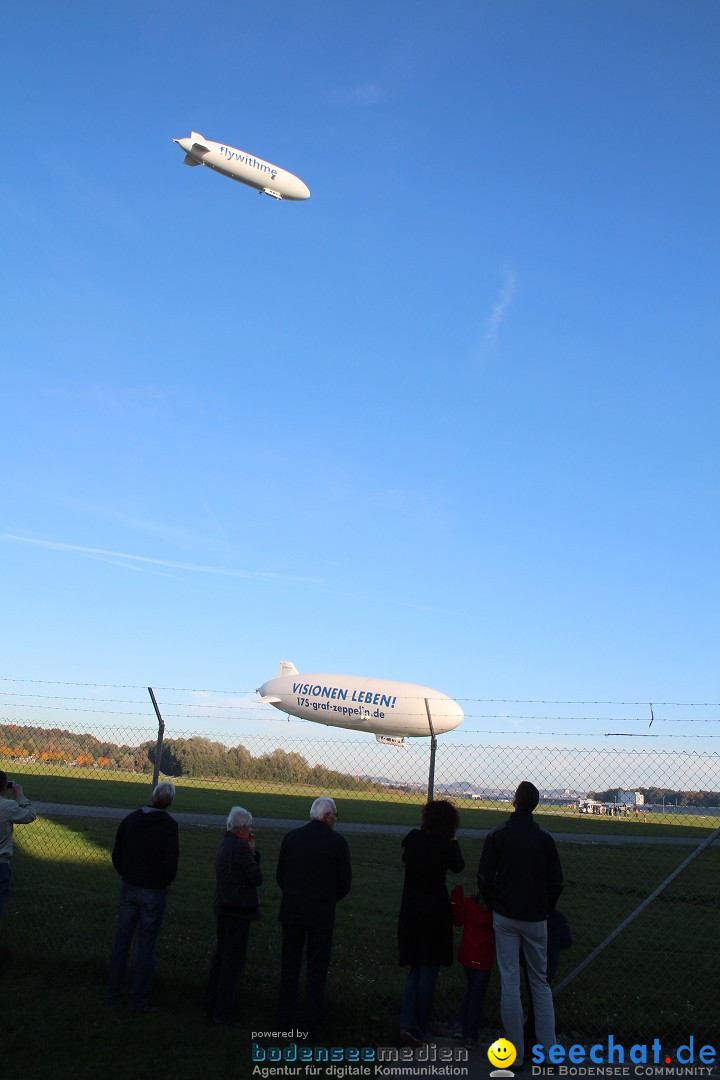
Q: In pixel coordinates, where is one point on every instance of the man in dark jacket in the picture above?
(146, 857)
(520, 878)
(313, 872)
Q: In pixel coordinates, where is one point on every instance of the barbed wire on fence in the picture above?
(656, 727)
(507, 701)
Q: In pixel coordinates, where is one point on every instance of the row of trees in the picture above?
(202, 757)
(54, 745)
(192, 757)
(656, 795)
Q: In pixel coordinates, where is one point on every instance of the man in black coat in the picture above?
(145, 855)
(313, 872)
(520, 878)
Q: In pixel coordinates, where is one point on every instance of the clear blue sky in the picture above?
(453, 420)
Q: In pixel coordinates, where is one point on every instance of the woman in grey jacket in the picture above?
(236, 905)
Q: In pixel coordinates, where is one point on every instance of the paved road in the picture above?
(115, 813)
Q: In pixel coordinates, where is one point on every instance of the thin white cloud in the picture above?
(149, 565)
(368, 93)
(501, 306)
(129, 566)
(125, 400)
(117, 515)
(135, 562)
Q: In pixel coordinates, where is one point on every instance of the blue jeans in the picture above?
(510, 936)
(418, 997)
(4, 884)
(470, 1012)
(141, 910)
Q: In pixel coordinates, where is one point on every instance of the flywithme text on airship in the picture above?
(267, 178)
(388, 709)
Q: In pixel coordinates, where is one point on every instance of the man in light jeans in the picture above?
(520, 878)
(146, 856)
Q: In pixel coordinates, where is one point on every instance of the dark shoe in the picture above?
(411, 1037)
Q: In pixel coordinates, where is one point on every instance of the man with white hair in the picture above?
(146, 857)
(313, 872)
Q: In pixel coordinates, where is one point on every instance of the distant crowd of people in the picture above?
(511, 919)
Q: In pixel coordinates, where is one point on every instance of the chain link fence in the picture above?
(625, 819)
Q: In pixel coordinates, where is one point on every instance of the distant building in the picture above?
(634, 798)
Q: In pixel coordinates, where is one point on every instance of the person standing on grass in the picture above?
(236, 905)
(146, 857)
(559, 936)
(314, 873)
(425, 924)
(520, 878)
(477, 956)
(13, 811)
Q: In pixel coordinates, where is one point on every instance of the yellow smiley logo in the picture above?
(502, 1054)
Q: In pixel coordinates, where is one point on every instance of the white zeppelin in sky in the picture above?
(239, 165)
(389, 710)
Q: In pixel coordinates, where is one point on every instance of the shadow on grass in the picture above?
(658, 977)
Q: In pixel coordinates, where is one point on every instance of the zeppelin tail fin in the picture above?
(198, 143)
(286, 668)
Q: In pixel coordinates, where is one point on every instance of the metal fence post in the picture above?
(433, 747)
(159, 743)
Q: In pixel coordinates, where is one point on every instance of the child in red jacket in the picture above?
(477, 955)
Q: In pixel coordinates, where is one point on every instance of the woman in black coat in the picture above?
(425, 926)
(236, 905)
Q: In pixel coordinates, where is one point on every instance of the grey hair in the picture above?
(321, 807)
(238, 818)
(163, 795)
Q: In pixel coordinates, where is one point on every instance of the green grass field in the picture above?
(659, 978)
(92, 787)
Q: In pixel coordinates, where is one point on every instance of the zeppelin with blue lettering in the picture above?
(389, 709)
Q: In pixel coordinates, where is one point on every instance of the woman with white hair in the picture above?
(236, 905)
